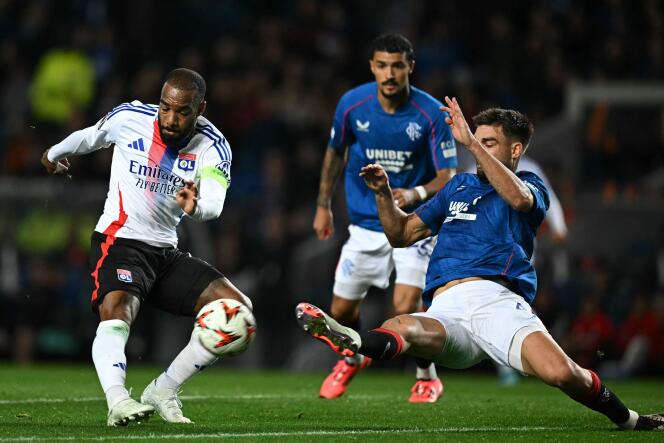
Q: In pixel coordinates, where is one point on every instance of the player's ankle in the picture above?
(354, 360)
(116, 393)
(166, 382)
(631, 421)
(381, 344)
(425, 370)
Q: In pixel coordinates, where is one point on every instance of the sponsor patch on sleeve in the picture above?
(124, 275)
(450, 152)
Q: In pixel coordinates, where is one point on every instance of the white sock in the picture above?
(110, 360)
(191, 360)
(426, 373)
(631, 421)
(354, 360)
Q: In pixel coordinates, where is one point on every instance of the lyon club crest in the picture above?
(186, 161)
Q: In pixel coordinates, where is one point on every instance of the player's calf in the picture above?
(601, 399)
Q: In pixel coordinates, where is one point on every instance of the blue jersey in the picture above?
(479, 234)
(412, 145)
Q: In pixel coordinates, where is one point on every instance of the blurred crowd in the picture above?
(275, 71)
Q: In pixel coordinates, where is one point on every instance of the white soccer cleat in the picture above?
(165, 402)
(128, 410)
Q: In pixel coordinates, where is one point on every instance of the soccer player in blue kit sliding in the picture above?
(169, 162)
(480, 280)
(392, 123)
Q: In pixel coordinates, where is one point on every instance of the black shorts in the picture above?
(166, 278)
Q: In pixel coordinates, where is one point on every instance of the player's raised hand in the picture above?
(187, 197)
(60, 167)
(375, 177)
(457, 122)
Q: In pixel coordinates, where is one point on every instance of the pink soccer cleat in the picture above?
(426, 391)
(343, 340)
(335, 384)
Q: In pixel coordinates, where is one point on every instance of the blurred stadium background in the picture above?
(589, 74)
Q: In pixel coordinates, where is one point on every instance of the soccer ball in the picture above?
(225, 327)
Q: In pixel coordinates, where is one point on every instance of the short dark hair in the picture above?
(515, 125)
(187, 79)
(392, 43)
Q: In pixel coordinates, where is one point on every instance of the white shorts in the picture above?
(482, 320)
(367, 259)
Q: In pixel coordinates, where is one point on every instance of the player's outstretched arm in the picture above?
(333, 166)
(506, 183)
(57, 167)
(400, 228)
(80, 142)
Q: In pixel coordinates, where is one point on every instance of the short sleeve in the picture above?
(442, 143)
(434, 210)
(540, 197)
(341, 134)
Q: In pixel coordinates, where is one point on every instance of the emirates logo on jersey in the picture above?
(186, 161)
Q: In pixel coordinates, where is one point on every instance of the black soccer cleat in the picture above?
(651, 422)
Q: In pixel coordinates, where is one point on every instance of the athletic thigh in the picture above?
(412, 261)
(460, 349)
(482, 319)
(118, 264)
(181, 280)
(499, 319)
(365, 261)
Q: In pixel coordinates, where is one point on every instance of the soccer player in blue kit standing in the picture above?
(480, 279)
(400, 127)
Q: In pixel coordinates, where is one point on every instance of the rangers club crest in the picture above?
(186, 161)
(414, 131)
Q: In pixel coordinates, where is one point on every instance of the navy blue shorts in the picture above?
(166, 278)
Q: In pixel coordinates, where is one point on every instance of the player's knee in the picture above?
(119, 305)
(404, 325)
(345, 312)
(406, 306)
(343, 316)
(564, 375)
(221, 288)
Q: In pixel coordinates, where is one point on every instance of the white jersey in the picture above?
(146, 174)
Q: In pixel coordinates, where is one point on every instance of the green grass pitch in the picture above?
(64, 403)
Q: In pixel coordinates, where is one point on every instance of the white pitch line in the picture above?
(49, 400)
(182, 397)
(187, 397)
(288, 434)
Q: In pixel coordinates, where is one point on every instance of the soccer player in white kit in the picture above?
(169, 162)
